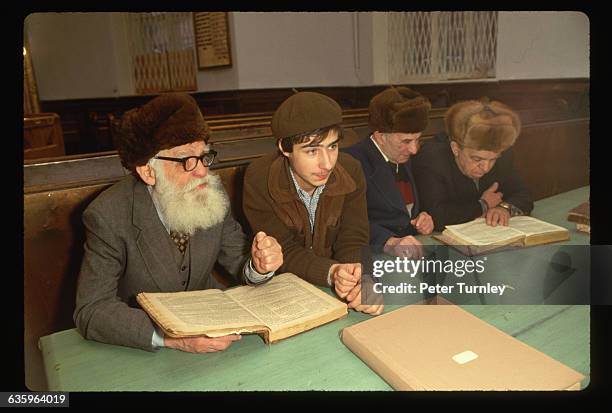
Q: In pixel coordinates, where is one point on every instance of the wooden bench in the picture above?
(42, 136)
(53, 250)
(86, 127)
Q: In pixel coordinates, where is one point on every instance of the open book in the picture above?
(522, 231)
(280, 308)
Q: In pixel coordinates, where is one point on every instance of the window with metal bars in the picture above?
(162, 52)
(430, 46)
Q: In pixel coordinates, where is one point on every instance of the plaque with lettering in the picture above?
(212, 39)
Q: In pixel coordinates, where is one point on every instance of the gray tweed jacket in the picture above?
(128, 251)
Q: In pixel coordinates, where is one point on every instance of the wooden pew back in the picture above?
(42, 136)
(53, 249)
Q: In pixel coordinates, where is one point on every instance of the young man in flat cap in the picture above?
(397, 118)
(161, 229)
(467, 172)
(312, 198)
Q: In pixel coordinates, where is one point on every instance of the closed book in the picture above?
(443, 347)
(580, 214)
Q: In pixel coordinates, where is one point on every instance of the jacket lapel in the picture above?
(280, 186)
(282, 190)
(152, 241)
(415, 192)
(383, 179)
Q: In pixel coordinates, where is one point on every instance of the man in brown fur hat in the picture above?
(312, 198)
(397, 118)
(161, 229)
(467, 172)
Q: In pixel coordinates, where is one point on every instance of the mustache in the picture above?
(190, 186)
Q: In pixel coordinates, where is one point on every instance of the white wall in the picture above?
(530, 45)
(380, 59)
(542, 45)
(85, 55)
(291, 49)
(295, 49)
(73, 55)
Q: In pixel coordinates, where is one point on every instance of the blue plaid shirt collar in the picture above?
(309, 201)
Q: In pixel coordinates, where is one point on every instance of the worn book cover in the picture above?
(443, 347)
(284, 306)
(580, 214)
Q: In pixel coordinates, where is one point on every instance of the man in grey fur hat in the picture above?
(467, 172)
(162, 229)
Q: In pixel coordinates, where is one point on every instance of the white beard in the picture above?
(185, 210)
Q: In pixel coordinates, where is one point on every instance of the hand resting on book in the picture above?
(201, 344)
(497, 216)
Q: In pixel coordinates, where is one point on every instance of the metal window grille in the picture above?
(426, 46)
(162, 51)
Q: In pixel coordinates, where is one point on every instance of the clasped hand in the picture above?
(407, 246)
(266, 253)
(423, 223)
(347, 284)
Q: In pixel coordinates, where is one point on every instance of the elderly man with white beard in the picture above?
(162, 229)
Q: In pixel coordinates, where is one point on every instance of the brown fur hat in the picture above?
(167, 121)
(486, 126)
(398, 109)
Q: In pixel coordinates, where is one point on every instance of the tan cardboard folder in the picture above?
(443, 347)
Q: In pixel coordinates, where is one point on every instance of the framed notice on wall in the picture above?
(212, 39)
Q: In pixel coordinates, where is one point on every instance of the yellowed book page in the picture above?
(532, 226)
(583, 228)
(195, 312)
(285, 300)
(477, 232)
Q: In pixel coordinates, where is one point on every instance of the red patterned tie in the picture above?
(181, 240)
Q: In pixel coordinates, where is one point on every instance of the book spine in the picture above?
(578, 219)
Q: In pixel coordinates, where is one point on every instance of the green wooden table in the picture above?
(315, 360)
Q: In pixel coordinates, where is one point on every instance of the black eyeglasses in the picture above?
(191, 162)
